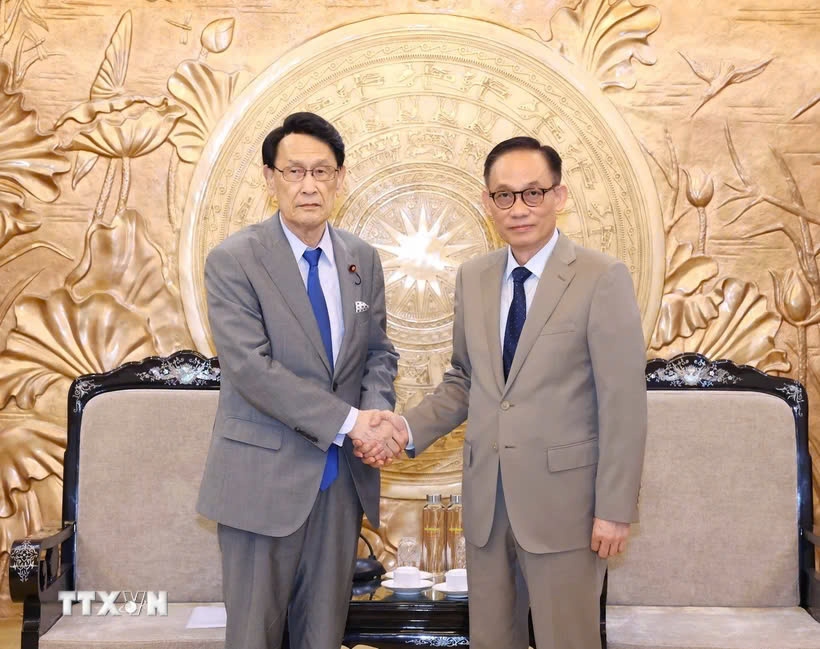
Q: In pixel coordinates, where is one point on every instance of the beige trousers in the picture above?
(563, 589)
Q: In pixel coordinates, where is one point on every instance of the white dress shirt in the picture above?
(536, 267)
(329, 278)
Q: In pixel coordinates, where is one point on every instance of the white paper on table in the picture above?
(207, 617)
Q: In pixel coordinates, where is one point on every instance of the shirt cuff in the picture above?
(410, 446)
(347, 426)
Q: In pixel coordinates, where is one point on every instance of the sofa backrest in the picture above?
(141, 456)
(718, 504)
(726, 485)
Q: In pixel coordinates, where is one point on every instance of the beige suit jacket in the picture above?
(567, 429)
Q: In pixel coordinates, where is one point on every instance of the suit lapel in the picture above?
(558, 273)
(277, 259)
(350, 287)
(491, 278)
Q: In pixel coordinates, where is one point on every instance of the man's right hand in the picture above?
(375, 437)
(369, 451)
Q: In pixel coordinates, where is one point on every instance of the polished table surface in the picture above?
(381, 618)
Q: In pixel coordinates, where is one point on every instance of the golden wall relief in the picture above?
(129, 146)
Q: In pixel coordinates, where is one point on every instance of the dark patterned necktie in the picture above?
(317, 301)
(515, 318)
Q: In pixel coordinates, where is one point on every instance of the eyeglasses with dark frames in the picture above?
(322, 173)
(532, 197)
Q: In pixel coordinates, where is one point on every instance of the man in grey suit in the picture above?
(297, 313)
(548, 368)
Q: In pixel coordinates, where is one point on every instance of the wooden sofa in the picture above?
(722, 557)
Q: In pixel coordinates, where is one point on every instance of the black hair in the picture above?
(524, 143)
(305, 124)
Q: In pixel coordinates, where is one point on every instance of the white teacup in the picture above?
(456, 579)
(407, 577)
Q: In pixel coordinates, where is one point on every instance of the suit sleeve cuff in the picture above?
(347, 426)
(410, 445)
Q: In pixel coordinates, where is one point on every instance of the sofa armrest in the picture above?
(38, 561)
(812, 537)
(41, 565)
(810, 598)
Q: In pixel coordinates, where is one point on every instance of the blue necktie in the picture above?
(516, 317)
(317, 301)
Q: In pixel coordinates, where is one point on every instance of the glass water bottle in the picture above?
(433, 535)
(455, 535)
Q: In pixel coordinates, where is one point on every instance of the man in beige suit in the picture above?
(548, 368)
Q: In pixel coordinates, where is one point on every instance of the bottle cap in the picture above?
(433, 499)
(455, 499)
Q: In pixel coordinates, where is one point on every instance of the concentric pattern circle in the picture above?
(420, 100)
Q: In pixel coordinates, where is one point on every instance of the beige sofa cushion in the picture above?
(132, 632)
(142, 453)
(717, 505)
(659, 627)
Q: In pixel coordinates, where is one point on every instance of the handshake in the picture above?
(378, 437)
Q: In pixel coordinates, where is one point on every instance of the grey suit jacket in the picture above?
(567, 429)
(279, 407)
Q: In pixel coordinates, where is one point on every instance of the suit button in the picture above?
(505, 405)
(298, 430)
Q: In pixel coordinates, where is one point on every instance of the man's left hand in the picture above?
(608, 537)
(376, 440)
(399, 433)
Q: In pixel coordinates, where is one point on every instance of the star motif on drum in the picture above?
(422, 256)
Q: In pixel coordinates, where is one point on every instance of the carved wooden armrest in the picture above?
(40, 561)
(810, 589)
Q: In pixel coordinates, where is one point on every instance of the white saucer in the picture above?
(422, 575)
(424, 584)
(443, 588)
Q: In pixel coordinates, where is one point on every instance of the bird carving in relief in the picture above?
(726, 75)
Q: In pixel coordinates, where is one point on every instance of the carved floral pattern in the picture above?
(123, 260)
(30, 449)
(217, 36)
(683, 311)
(604, 36)
(110, 79)
(700, 188)
(205, 93)
(738, 325)
(14, 218)
(21, 20)
(123, 127)
(59, 338)
(28, 163)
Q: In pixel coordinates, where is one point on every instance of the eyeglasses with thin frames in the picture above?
(532, 197)
(322, 173)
